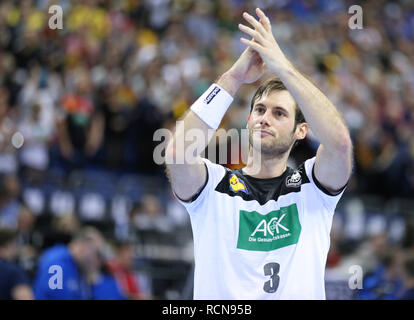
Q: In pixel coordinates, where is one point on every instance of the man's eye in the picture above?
(259, 110)
(280, 113)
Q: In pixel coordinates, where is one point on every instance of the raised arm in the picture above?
(186, 170)
(333, 165)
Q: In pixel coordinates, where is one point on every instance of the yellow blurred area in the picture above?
(332, 61)
(147, 37)
(126, 96)
(95, 20)
(333, 80)
(13, 17)
(347, 49)
(179, 107)
(131, 5)
(36, 20)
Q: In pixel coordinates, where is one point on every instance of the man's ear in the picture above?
(301, 130)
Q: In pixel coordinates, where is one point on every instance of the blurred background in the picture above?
(79, 107)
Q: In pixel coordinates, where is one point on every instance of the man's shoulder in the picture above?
(215, 171)
(58, 253)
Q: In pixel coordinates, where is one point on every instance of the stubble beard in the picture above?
(274, 147)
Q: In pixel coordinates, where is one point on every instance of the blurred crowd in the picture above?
(85, 101)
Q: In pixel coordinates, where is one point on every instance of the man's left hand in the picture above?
(263, 42)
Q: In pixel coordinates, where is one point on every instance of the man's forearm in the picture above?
(185, 168)
(323, 118)
(194, 122)
(229, 83)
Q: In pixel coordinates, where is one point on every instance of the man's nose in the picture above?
(265, 120)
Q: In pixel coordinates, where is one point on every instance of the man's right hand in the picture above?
(247, 69)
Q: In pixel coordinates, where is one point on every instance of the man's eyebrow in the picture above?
(275, 107)
(281, 108)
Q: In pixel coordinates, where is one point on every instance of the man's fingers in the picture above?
(264, 19)
(252, 44)
(253, 33)
(256, 24)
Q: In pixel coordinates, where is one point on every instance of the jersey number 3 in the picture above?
(271, 269)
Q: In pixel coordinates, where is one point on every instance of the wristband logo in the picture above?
(211, 95)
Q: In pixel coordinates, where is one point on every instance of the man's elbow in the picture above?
(344, 144)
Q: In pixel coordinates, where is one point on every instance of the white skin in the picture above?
(86, 254)
(333, 164)
(272, 133)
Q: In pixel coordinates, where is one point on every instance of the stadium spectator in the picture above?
(81, 128)
(384, 283)
(10, 206)
(408, 276)
(122, 267)
(14, 283)
(79, 262)
(36, 106)
(8, 154)
(103, 284)
(104, 287)
(60, 230)
(149, 215)
(29, 241)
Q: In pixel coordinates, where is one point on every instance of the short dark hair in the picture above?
(86, 233)
(122, 244)
(7, 236)
(275, 84)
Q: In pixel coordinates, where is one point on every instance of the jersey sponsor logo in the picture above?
(294, 180)
(211, 95)
(237, 184)
(274, 230)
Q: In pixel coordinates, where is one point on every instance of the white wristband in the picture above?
(212, 105)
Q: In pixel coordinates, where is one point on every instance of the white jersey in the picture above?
(261, 238)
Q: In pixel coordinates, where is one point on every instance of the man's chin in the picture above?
(269, 149)
(264, 143)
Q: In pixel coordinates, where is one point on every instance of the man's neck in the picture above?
(262, 167)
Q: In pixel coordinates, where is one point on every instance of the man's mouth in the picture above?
(264, 133)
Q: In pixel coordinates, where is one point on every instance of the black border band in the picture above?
(195, 196)
(322, 188)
